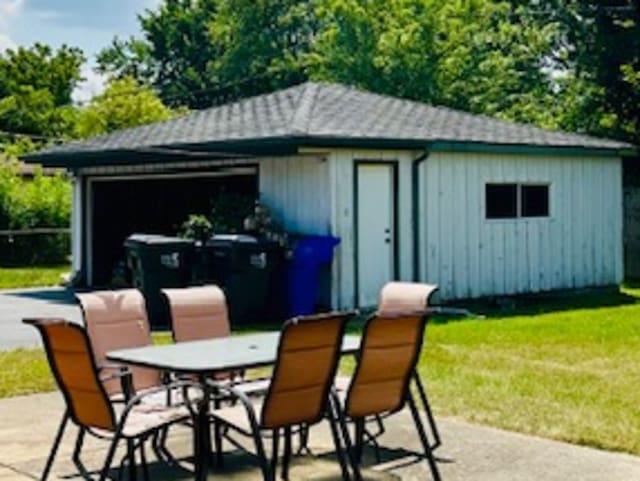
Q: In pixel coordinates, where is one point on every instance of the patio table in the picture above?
(206, 357)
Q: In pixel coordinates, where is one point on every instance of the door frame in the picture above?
(356, 214)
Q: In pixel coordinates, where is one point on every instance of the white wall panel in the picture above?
(578, 245)
(297, 191)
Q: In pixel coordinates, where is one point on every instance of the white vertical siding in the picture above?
(77, 211)
(341, 175)
(297, 191)
(578, 245)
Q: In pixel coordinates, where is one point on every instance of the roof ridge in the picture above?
(302, 115)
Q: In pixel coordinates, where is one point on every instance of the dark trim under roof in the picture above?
(316, 114)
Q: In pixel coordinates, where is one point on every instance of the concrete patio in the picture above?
(469, 452)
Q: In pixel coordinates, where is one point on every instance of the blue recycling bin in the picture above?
(310, 253)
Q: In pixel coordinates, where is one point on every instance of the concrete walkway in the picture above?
(469, 452)
(41, 302)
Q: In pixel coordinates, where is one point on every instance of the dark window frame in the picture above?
(518, 211)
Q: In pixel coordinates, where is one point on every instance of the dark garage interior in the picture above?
(152, 205)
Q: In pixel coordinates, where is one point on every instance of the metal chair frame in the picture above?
(329, 411)
(117, 433)
(354, 449)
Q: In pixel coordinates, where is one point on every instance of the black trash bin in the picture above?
(251, 272)
(157, 262)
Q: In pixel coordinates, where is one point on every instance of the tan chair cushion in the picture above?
(307, 360)
(236, 416)
(118, 320)
(198, 313)
(398, 298)
(387, 359)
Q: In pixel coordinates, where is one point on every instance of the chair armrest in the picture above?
(234, 392)
(122, 372)
(111, 365)
(184, 385)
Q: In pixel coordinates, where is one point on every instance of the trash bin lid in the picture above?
(155, 239)
(240, 238)
(315, 248)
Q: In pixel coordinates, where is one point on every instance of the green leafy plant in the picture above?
(197, 227)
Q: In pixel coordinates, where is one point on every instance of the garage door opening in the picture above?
(150, 205)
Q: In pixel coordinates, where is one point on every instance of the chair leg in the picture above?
(56, 445)
(264, 463)
(427, 407)
(423, 438)
(131, 456)
(143, 461)
(78, 447)
(109, 459)
(349, 447)
(359, 439)
(286, 457)
(217, 437)
(334, 415)
(274, 454)
(304, 440)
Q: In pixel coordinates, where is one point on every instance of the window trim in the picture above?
(519, 199)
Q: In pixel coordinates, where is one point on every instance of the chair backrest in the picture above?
(308, 355)
(118, 320)
(389, 351)
(402, 297)
(74, 368)
(198, 313)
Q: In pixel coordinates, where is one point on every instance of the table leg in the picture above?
(202, 435)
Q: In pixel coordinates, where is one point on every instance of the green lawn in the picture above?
(564, 369)
(35, 276)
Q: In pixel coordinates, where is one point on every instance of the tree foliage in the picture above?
(568, 64)
(125, 103)
(175, 54)
(35, 89)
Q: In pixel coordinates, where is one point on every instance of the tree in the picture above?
(42, 69)
(35, 90)
(199, 53)
(476, 55)
(125, 103)
(385, 47)
(263, 44)
(175, 54)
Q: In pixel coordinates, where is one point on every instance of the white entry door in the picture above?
(376, 229)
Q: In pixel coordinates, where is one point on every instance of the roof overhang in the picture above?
(289, 145)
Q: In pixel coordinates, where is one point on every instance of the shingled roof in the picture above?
(317, 114)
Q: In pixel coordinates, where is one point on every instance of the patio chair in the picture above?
(308, 354)
(87, 403)
(380, 386)
(199, 313)
(395, 299)
(118, 320)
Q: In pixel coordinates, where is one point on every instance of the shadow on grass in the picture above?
(543, 303)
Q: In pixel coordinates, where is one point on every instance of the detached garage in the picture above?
(415, 192)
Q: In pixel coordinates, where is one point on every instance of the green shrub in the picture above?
(25, 204)
(197, 227)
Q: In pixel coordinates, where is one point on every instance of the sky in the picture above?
(88, 24)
